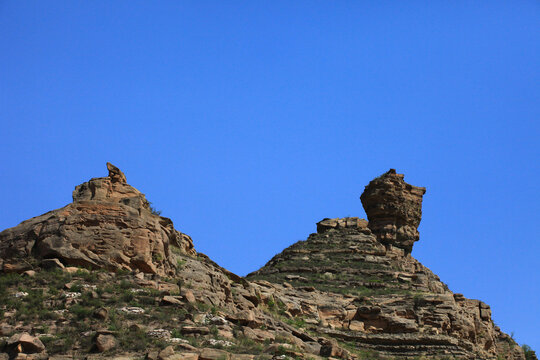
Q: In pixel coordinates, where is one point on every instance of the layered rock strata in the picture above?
(346, 292)
(367, 290)
(108, 225)
(352, 288)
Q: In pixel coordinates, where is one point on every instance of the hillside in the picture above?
(107, 277)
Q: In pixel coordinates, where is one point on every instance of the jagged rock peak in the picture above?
(112, 188)
(115, 174)
(394, 209)
(108, 225)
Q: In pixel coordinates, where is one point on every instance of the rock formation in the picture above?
(389, 302)
(394, 209)
(351, 291)
(108, 225)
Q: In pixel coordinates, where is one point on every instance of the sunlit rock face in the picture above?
(108, 225)
(394, 210)
(357, 282)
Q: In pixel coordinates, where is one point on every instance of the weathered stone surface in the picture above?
(345, 292)
(101, 313)
(348, 222)
(166, 354)
(394, 209)
(25, 343)
(213, 354)
(363, 287)
(171, 300)
(186, 356)
(105, 342)
(108, 225)
(115, 174)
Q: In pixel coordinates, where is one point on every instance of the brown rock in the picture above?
(394, 209)
(341, 223)
(356, 326)
(108, 225)
(258, 334)
(171, 300)
(186, 356)
(166, 353)
(213, 354)
(6, 329)
(25, 343)
(168, 288)
(15, 267)
(242, 357)
(202, 330)
(105, 342)
(101, 313)
(245, 318)
(330, 348)
(115, 174)
(188, 295)
(74, 269)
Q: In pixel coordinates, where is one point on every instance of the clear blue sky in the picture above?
(246, 122)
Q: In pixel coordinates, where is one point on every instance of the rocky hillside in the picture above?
(105, 277)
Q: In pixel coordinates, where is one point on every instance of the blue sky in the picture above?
(246, 122)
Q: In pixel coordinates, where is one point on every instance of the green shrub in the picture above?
(530, 354)
(153, 210)
(80, 312)
(124, 284)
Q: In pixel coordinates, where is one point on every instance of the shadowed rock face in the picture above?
(394, 210)
(109, 225)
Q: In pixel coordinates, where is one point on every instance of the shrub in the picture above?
(81, 312)
(530, 354)
(153, 210)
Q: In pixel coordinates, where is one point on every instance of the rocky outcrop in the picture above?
(394, 209)
(108, 225)
(350, 291)
(351, 287)
(357, 281)
(348, 222)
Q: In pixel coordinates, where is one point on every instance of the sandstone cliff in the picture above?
(108, 225)
(352, 290)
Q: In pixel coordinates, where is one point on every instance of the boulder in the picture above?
(166, 354)
(105, 342)
(213, 354)
(171, 300)
(101, 313)
(25, 343)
